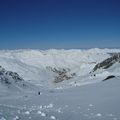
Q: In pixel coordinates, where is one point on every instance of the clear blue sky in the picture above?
(44, 24)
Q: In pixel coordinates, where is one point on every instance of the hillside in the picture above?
(56, 66)
(58, 84)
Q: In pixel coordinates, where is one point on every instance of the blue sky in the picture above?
(44, 24)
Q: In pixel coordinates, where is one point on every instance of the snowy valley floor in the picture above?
(98, 101)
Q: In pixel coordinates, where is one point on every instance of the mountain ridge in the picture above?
(32, 65)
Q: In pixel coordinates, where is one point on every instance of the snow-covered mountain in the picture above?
(12, 81)
(8, 77)
(60, 68)
(47, 74)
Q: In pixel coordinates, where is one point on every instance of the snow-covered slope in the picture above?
(99, 101)
(49, 73)
(12, 81)
(108, 68)
(52, 66)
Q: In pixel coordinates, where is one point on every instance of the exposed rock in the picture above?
(108, 62)
(109, 77)
(14, 75)
(8, 77)
(61, 74)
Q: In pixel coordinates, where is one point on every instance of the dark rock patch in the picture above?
(109, 77)
(108, 62)
(61, 74)
(9, 77)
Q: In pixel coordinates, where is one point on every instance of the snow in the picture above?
(91, 105)
(99, 115)
(31, 64)
(83, 96)
(52, 117)
(16, 118)
(27, 112)
(2, 118)
(50, 105)
(90, 102)
(43, 114)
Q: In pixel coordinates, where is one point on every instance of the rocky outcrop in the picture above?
(109, 77)
(108, 62)
(61, 74)
(9, 77)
